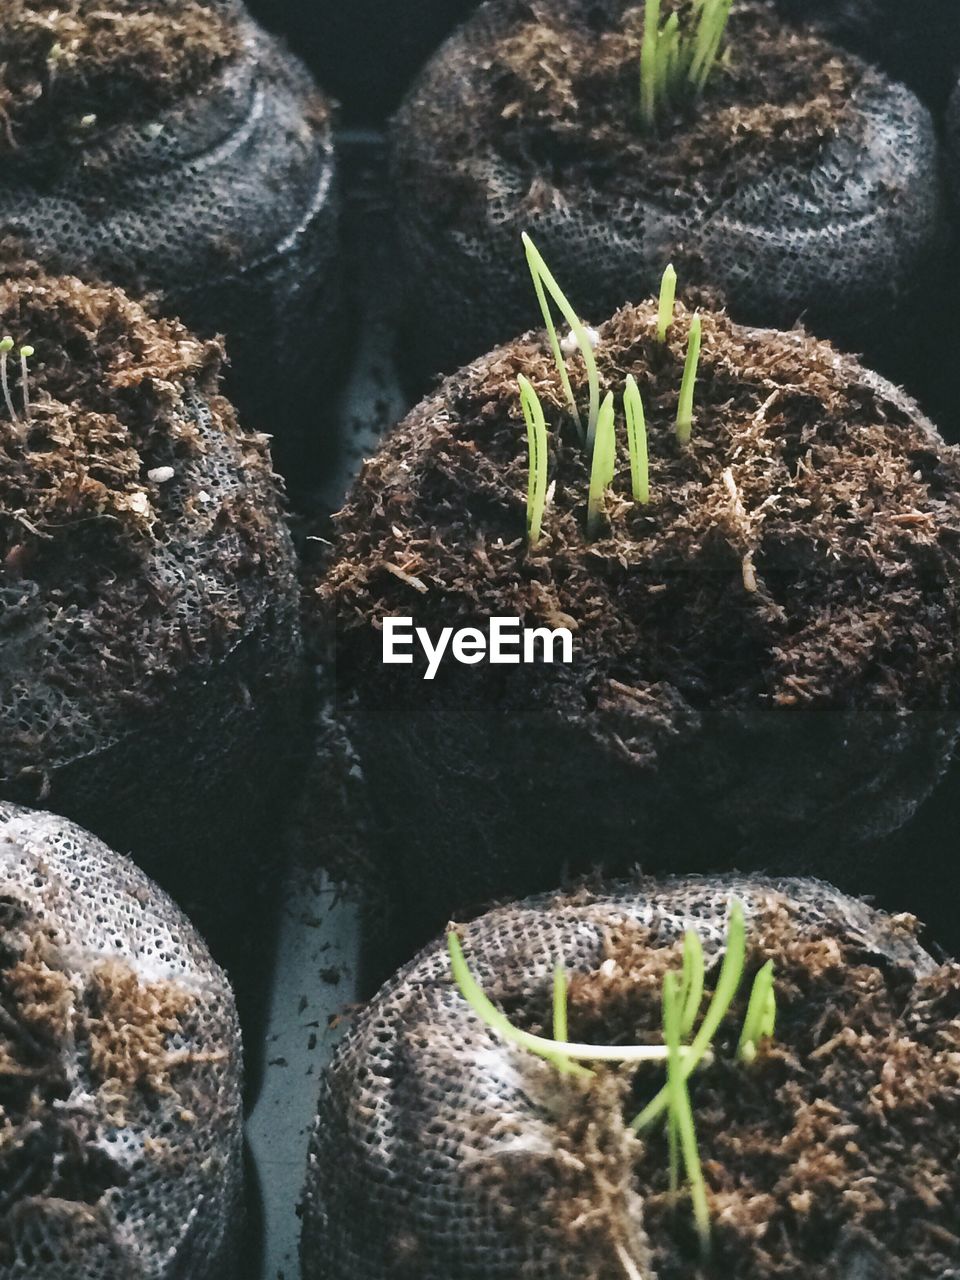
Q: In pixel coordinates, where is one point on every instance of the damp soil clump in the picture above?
(150, 649)
(835, 1148)
(794, 579)
(802, 182)
(120, 1068)
(839, 1140)
(66, 65)
(92, 479)
(560, 98)
(113, 1036)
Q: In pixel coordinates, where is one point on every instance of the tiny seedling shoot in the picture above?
(6, 346)
(678, 56)
(25, 353)
(544, 283)
(537, 443)
(600, 436)
(685, 1048)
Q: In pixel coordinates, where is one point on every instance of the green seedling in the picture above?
(681, 1127)
(688, 386)
(600, 436)
(678, 57)
(544, 283)
(761, 1020)
(668, 298)
(25, 354)
(603, 465)
(682, 997)
(551, 1051)
(691, 983)
(537, 445)
(637, 442)
(728, 984)
(560, 1009)
(649, 65)
(6, 346)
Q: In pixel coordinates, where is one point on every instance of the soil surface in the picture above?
(105, 385)
(842, 1136)
(106, 483)
(554, 90)
(803, 550)
(68, 68)
(108, 1033)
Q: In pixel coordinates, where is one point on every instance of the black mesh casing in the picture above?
(226, 206)
(441, 1151)
(844, 242)
(169, 1159)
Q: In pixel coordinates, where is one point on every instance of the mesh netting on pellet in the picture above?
(839, 230)
(120, 1071)
(440, 1150)
(219, 194)
(149, 640)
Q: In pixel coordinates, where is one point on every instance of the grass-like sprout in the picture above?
(711, 27)
(567, 1053)
(560, 1010)
(761, 1020)
(25, 355)
(728, 984)
(6, 346)
(649, 64)
(688, 386)
(544, 283)
(603, 464)
(682, 997)
(681, 1127)
(537, 445)
(600, 435)
(668, 297)
(676, 61)
(691, 982)
(637, 442)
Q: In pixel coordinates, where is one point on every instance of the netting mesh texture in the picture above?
(150, 650)
(842, 242)
(447, 780)
(439, 1150)
(225, 204)
(120, 1113)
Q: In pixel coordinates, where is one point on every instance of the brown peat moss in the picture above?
(110, 386)
(836, 1152)
(840, 1142)
(64, 61)
(767, 650)
(105, 1030)
(105, 383)
(556, 92)
(804, 492)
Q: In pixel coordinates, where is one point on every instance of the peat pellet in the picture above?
(120, 1071)
(178, 149)
(763, 664)
(150, 651)
(804, 183)
(832, 1152)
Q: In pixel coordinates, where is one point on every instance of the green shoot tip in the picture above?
(688, 386)
(668, 298)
